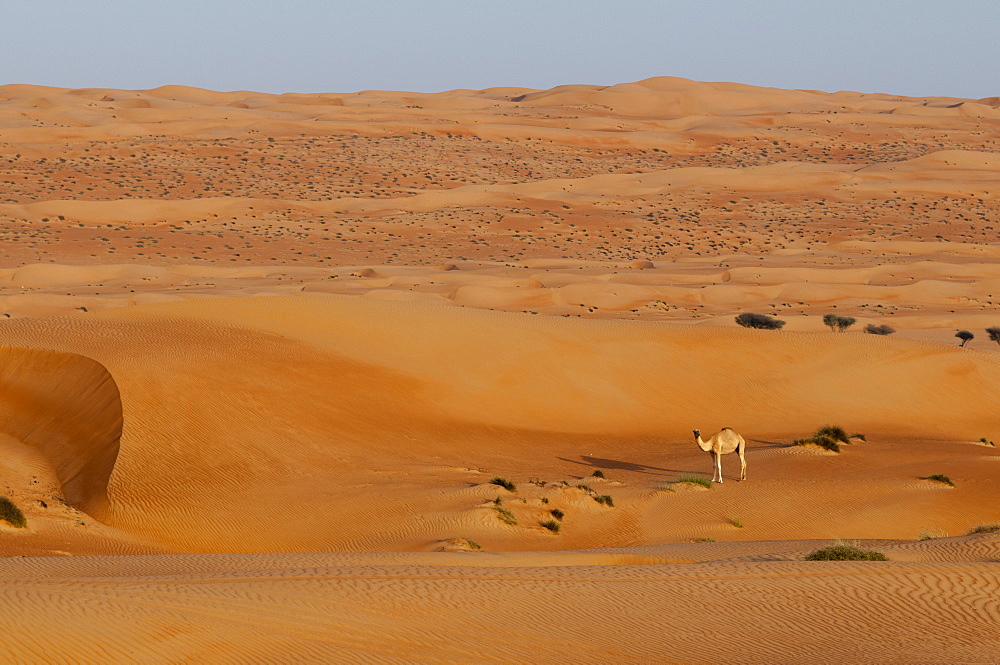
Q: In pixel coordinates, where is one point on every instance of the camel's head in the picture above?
(697, 433)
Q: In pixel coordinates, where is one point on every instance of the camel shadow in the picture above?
(768, 444)
(620, 465)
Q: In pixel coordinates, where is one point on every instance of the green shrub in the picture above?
(505, 515)
(12, 514)
(940, 478)
(984, 528)
(703, 540)
(834, 432)
(873, 329)
(598, 474)
(586, 488)
(605, 499)
(504, 483)
(697, 480)
(556, 513)
(824, 442)
(736, 522)
(551, 525)
(843, 552)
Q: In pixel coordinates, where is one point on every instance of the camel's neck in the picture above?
(704, 445)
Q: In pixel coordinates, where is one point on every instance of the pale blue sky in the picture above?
(914, 47)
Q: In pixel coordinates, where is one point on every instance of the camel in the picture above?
(722, 443)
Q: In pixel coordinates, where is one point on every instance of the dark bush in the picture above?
(504, 483)
(994, 334)
(11, 514)
(838, 323)
(759, 321)
(941, 478)
(834, 432)
(965, 336)
(873, 329)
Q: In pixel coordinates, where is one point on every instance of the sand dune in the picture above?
(289, 608)
(295, 345)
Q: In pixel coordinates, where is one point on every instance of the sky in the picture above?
(908, 47)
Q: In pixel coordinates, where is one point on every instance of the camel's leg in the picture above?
(743, 461)
(715, 458)
(718, 465)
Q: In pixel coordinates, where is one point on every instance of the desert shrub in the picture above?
(598, 474)
(838, 323)
(736, 522)
(844, 552)
(556, 513)
(941, 478)
(986, 441)
(994, 334)
(834, 432)
(965, 336)
(586, 488)
(984, 528)
(858, 435)
(504, 483)
(505, 515)
(551, 525)
(873, 329)
(703, 540)
(697, 480)
(11, 514)
(824, 442)
(605, 499)
(759, 321)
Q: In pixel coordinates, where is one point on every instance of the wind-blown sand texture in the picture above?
(285, 342)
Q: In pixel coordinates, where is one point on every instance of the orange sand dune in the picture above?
(321, 400)
(298, 344)
(291, 608)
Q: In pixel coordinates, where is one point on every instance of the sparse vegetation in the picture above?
(824, 442)
(965, 336)
(597, 474)
(505, 515)
(11, 514)
(551, 525)
(736, 522)
(873, 329)
(556, 513)
(845, 552)
(984, 528)
(703, 540)
(986, 441)
(586, 488)
(696, 480)
(829, 437)
(931, 535)
(758, 321)
(604, 499)
(504, 483)
(940, 478)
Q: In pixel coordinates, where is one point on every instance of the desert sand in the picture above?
(264, 354)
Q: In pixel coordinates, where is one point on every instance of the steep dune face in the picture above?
(67, 407)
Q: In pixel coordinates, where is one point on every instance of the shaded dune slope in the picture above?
(67, 407)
